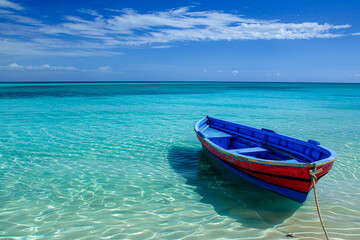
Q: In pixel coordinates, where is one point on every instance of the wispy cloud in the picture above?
(235, 72)
(162, 46)
(21, 19)
(104, 69)
(89, 11)
(5, 11)
(47, 67)
(95, 34)
(11, 5)
(132, 28)
(53, 47)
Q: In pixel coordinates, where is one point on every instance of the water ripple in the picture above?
(121, 165)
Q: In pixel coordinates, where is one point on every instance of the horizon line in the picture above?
(196, 81)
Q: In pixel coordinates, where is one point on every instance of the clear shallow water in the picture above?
(122, 161)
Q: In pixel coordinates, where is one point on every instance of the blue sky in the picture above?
(252, 40)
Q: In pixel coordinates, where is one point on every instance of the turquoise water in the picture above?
(121, 161)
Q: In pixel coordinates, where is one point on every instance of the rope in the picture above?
(313, 179)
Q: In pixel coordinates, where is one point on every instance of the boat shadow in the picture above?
(229, 194)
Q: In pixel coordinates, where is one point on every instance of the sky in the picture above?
(239, 40)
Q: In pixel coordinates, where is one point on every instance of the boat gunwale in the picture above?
(333, 155)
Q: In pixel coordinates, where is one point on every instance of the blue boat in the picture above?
(276, 162)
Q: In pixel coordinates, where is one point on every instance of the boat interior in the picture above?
(262, 144)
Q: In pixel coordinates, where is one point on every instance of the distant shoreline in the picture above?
(167, 82)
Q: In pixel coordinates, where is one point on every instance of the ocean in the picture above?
(121, 161)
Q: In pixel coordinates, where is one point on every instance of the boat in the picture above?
(279, 163)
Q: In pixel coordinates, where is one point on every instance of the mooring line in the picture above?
(313, 179)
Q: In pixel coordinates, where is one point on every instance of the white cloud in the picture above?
(15, 66)
(5, 12)
(132, 28)
(48, 67)
(53, 47)
(21, 19)
(8, 4)
(356, 34)
(184, 25)
(89, 11)
(235, 72)
(104, 69)
(162, 46)
(103, 35)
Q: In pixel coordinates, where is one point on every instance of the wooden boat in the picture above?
(273, 161)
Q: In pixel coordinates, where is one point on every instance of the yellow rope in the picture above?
(313, 179)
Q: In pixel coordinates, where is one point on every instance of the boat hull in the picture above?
(291, 181)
